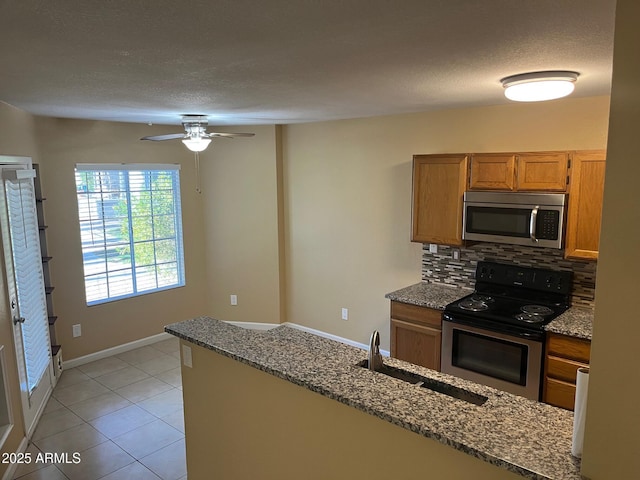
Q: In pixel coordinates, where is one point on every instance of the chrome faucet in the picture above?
(375, 359)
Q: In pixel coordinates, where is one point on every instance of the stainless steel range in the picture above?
(495, 336)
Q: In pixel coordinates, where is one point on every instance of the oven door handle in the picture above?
(533, 222)
(528, 335)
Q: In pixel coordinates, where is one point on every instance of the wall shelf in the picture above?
(46, 265)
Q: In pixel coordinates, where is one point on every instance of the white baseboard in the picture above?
(347, 341)
(125, 347)
(75, 362)
(8, 474)
(320, 333)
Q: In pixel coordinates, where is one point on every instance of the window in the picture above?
(131, 229)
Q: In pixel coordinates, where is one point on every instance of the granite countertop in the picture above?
(575, 322)
(432, 295)
(526, 437)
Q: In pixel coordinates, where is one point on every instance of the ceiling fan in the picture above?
(196, 138)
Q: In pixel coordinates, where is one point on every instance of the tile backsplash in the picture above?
(442, 268)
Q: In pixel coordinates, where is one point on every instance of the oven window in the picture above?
(513, 222)
(489, 356)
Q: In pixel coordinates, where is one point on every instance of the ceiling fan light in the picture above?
(197, 144)
(539, 86)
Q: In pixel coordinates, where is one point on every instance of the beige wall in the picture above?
(348, 198)
(612, 436)
(241, 182)
(63, 143)
(17, 137)
(242, 423)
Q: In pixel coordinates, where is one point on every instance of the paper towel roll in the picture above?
(579, 411)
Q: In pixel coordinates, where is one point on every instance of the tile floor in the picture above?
(122, 414)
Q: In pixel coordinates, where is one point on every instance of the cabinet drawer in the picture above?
(413, 313)
(569, 347)
(559, 393)
(563, 369)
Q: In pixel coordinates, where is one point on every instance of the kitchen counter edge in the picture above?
(430, 295)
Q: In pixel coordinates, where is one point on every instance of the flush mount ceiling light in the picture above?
(539, 86)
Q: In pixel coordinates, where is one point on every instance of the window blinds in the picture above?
(131, 229)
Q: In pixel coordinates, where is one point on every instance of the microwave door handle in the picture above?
(532, 223)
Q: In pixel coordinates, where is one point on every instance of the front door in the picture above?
(25, 285)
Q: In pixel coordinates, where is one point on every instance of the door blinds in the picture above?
(27, 260)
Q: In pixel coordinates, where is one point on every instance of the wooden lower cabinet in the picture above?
(416, 334)
(565, 355)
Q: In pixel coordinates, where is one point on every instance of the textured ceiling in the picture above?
(287, 61)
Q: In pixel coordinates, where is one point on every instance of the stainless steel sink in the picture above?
(431, 384)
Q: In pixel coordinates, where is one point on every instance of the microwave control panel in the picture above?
(547, 225)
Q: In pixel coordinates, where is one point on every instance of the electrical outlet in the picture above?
(77, 330)
(234, 299)
(433, 248)
(455, 254)
(345, 314)
(187, 360)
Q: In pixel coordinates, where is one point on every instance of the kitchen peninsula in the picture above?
(286, 404)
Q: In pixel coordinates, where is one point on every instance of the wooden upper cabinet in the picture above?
(525, 172)
(586, 189)
(492, 171)
(542, 171)
(439, 183)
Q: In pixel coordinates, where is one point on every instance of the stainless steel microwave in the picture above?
(534, 219)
